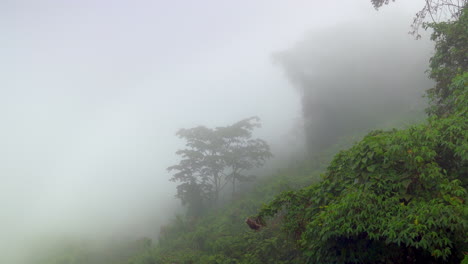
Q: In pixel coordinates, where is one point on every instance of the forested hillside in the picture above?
(397, 196)
(392, 195)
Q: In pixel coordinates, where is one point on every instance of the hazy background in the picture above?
(356, 76)
(92, 92)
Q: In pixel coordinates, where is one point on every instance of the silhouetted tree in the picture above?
(215, 157)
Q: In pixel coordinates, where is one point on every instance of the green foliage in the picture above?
(465, 259)
(393, 197)
(397, 196)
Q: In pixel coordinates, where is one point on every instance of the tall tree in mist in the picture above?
(215, 157)
(241, 152)
(450, 60)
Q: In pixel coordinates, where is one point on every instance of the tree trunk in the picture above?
(233, 187)
(216, 190)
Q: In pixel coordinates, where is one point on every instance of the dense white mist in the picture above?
(92, 92)
(356, 76)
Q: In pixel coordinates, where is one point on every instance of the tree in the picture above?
(449, 60)
(201, 166)
(216, 157)
(241, 153)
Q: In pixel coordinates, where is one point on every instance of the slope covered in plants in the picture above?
(397, 196)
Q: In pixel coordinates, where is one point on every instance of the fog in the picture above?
(361, 75)
(92, 93)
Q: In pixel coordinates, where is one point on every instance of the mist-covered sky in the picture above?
(92, 92)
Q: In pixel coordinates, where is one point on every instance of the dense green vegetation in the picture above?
(221, 236)
(396, 196)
